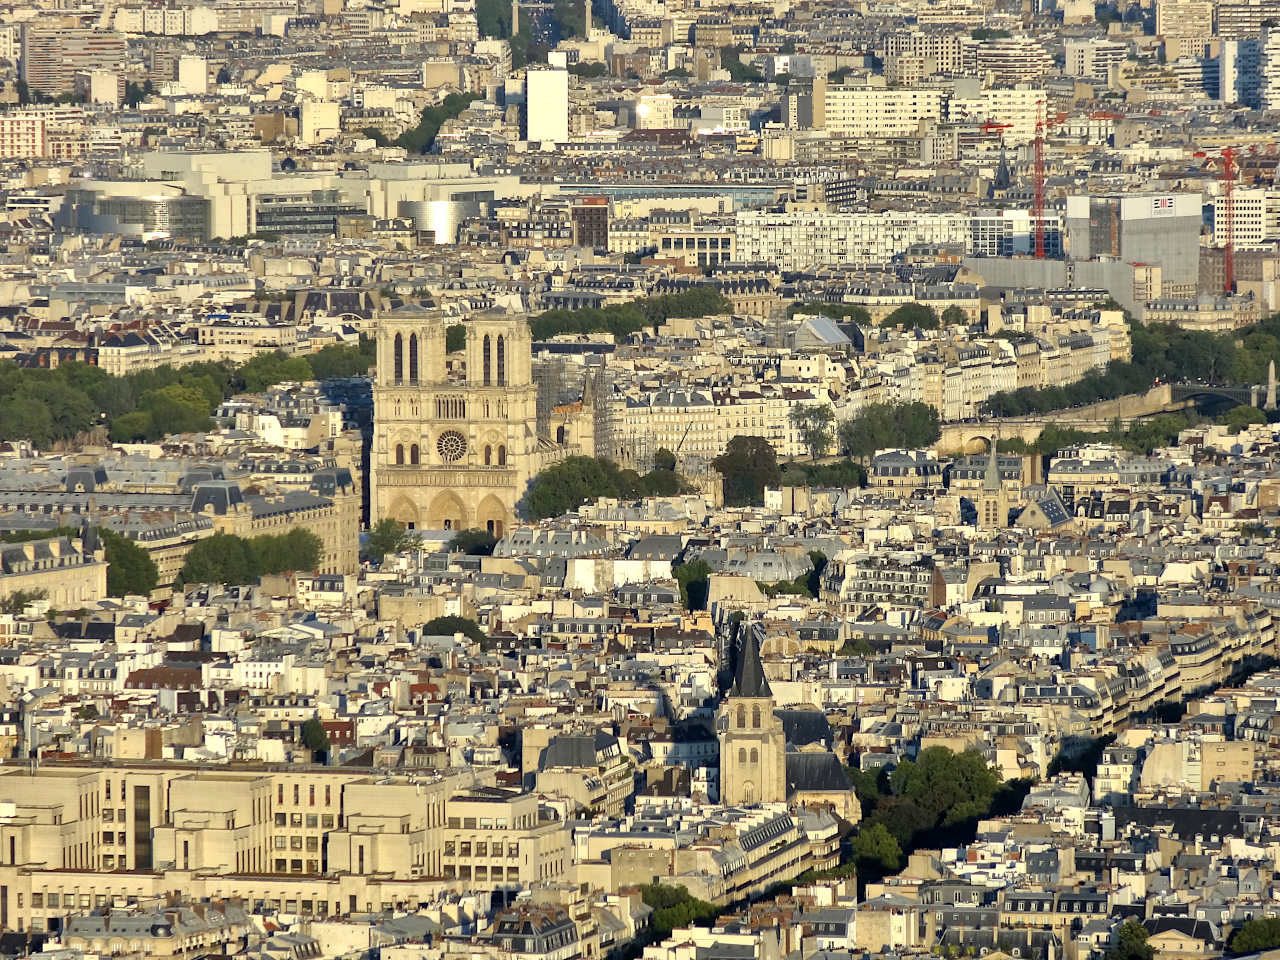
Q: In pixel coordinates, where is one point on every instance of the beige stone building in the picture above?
(321, 842)
(61, 570)
(455, 449)
(332, 515)
(240, 340)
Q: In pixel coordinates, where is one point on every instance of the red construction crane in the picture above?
(1043, 123)
(1225, 162)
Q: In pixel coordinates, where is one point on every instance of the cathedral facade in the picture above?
(455, 439)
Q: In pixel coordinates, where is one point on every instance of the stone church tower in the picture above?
(993, 501)
(753, 747)
(454, 449)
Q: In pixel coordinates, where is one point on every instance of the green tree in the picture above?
(220, 559)
(694, 579)
(388, 535)
(70, 409)
(340, 361)
(133, 427)
(299, 549)
(664, 459)
(739, 72)
(903, 818)
(14, 603)
(313, 736)
(748, 465)
(1254, 936)
(421, 138)
(130, 569)
(816, 425)
(949, 787)
(26, 418)
(448, 626)
(623, 319)
(455, 337)
(881, 426)
(476, 543)
(268, 369)
(674, 908)
(954, 316)
(875, 850)
(912, 316)
(1131, 943)
(176, 409)
(569, 484)
(1237, 418)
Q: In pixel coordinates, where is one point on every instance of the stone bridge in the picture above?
(1097, 417)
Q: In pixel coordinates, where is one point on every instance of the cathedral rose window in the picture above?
(451, 446)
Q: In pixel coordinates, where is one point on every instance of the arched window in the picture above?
(502, 361)
(414, 454)
(560, 434)
(488, 376)
(755, 755)
(398, 362)
(742, 716)
(413, 357)
(742, 754)
(749, 793)
(755, 716)
(502, 455)
(488, 455)
(399, 454)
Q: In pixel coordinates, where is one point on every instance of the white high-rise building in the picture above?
(546, 95)
(193, 75)
(1239, 73)
(1269, 68)
(871, 109)
(1255, 220)
(1019, 107)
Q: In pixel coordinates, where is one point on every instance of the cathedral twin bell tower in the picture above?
(454, 445)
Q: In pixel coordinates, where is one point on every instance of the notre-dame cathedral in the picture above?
(456, 438)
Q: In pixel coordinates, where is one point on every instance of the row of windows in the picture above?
(488, 353)
(465, 848)
(311, 794)
(415, 454)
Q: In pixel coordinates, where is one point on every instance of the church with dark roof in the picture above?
(769, 755)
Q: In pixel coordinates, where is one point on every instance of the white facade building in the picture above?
(547, 106)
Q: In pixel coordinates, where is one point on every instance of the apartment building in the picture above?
(859, 582)
(22, 137)
(944, 48)
(870, 108)
(52, 55)
(701, 423)
(1012, 59)
(804, 239)
(316, 841)
(241, 339)
(68, 573)
(1017, 108)
(497, 839)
